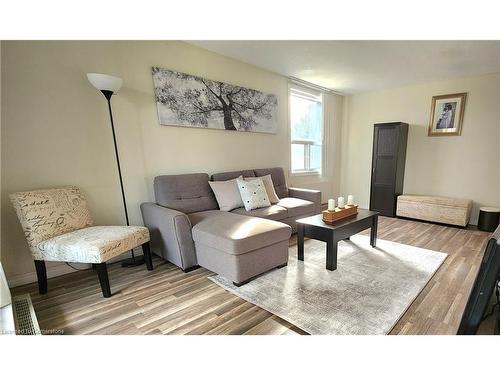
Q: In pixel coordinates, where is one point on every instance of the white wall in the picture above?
(55, 129)
(466, 166)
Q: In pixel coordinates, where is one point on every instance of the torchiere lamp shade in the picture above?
(105, 82)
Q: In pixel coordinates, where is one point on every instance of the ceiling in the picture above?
(356, 66)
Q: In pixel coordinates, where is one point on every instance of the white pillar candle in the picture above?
(350, 200)
(341, 202)
(331, 204)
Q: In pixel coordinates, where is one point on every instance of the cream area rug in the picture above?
(367, 294)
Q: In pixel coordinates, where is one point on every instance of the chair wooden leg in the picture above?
(102, 273)
(41, 274)
(147, 256)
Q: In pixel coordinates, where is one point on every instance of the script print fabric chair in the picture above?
(58, 227)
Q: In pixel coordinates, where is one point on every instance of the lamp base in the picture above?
(134, 262)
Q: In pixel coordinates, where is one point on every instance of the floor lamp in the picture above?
(109, 85)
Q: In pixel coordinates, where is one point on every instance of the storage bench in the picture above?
(453, 211)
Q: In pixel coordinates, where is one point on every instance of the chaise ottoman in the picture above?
(453, 211)
(239, 247)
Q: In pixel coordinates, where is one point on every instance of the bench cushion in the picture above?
(236, 234)
(454, 211)
(440, 201)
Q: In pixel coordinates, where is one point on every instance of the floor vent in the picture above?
(24, 315)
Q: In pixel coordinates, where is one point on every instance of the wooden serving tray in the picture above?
(339, 213)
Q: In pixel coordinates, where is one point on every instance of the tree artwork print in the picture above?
(190, 101)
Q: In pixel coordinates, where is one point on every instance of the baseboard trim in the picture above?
(55, 269)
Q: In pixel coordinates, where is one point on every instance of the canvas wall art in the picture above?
(447, 112)
(191, 101)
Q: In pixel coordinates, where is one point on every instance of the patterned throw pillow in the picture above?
(268, 184)
(253, 193)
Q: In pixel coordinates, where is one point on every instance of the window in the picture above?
(306, 123)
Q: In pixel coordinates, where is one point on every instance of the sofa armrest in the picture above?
(308, 195)
(171, 236)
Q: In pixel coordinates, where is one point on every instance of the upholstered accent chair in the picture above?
(58, 227)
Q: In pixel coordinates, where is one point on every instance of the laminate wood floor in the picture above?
(168, 301)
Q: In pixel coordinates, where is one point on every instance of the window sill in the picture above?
(305, 173)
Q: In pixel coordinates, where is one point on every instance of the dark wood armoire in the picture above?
(388, 166)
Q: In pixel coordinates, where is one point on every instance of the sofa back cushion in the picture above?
(278, 177)
(224, 176)
(185, 192)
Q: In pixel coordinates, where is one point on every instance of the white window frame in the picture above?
(307, 143)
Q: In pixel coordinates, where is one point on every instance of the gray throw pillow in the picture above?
(253, 193)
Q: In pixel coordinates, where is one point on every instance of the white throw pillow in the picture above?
(253, 193)
(227, 194)
(268, 184)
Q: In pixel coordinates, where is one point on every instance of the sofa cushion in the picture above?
(278, 177)
(236, 234)
(273, 212)
(197, 217)
(253, 194)
(224, 176)
(296, 206)
(186, 192)
(227, 194)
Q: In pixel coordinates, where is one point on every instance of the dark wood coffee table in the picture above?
(314, 227)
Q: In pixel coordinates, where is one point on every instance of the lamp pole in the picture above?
(107, 95)
(108, 85)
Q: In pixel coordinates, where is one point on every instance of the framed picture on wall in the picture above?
(447, 112)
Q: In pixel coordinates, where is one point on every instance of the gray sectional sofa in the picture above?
(188, 229)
